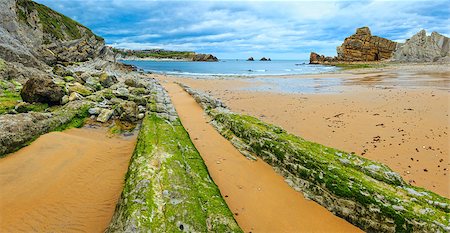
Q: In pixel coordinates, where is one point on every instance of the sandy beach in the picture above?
(64, 182)
(397, 115)
(252, 189)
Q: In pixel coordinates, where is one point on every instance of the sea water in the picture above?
(231, 67)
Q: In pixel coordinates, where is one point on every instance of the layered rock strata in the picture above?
(423, 48)
(359, 47)
(366, 193)
(167, 187)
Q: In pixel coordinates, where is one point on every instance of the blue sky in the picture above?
(240, 29)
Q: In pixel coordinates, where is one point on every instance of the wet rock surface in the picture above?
(366, 193)
(167, 187)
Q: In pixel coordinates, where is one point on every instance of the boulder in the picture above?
(423, 48)
(122, 92)
(265, 59)
(94, 83)
(129, 111)
(250, 59)
(94, 111)
(80, 89)
(107, 80)
(75, 96)
(105, 115)
(42, 90)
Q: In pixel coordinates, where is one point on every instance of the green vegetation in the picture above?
(32, 126)
(8, 100)
(2, 65)
(351, 66)
(160, 54)
(326, 174)
(168, 188)
(54, 24)
(76, 121)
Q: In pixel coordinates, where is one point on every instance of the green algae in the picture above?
(8, 100)
(344, 175)
(167, 187)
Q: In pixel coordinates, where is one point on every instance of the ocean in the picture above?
(231, 67)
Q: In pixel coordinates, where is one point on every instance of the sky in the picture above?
(240, 29)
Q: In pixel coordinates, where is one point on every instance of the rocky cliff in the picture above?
(423, 48)
(361, 46)
(34, 35)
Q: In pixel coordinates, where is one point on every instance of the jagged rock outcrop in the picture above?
(204, 57)
(359, 47)
(250, 59)
(362, 46)
(423, 48)
(34, 35)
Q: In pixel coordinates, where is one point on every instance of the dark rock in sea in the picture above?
(250, 59)
(264, 59)
(204, 57)
(42, 90)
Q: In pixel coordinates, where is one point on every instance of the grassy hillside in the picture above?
(56, 26)
(156, 53)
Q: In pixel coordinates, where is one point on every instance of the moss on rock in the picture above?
(167, 187)
(366, 193)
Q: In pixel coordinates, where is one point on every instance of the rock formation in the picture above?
(204, 57)
(33, 34)
(250, 59)
(361, 46)
(265, 59)
(423, 48)
(42, 90)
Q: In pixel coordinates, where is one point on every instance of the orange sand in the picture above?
(400, 117)
(63, 182)
(259, 198)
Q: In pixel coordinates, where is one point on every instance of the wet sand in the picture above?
(397, 118)
(63, 182)
(259, 198)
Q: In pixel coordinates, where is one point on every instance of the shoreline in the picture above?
(400, 124)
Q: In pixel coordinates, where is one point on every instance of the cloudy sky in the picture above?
(239, 29)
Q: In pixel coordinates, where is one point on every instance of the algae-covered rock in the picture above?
(105, 115)
(80, 89)
(18, 130)
(366, 193)
(168, 188)
(107, 80)
(128, 111)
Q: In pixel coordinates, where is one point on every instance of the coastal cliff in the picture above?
(363, 47)
(33, 34)
(423, 48)
(161, 54)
